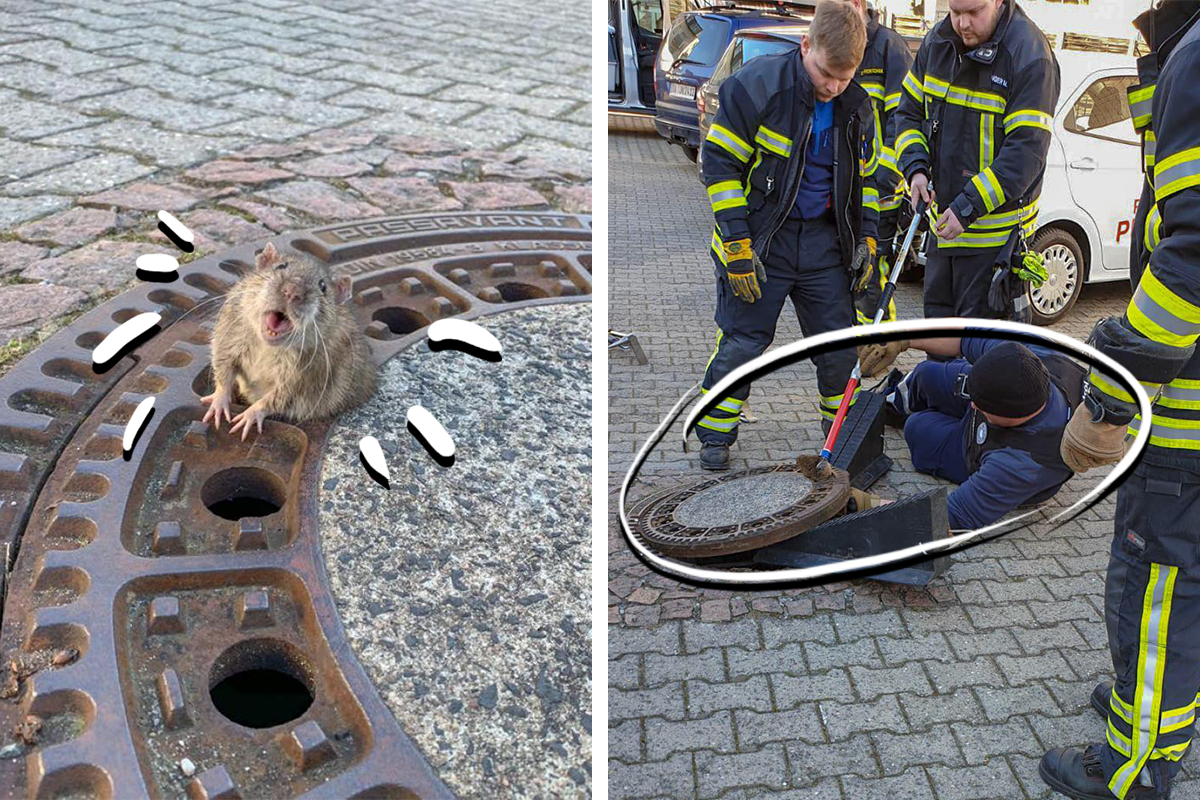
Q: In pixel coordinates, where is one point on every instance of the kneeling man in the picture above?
(991, 420)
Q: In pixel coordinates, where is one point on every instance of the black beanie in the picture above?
(1009, 381)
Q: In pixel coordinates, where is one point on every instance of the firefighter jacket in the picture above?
(1165, 256)
(886, 61)
(754, 155)
(978, 123)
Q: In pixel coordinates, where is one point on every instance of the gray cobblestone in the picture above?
(870, 683)
(994, 781)
(855, 756)
(664, 701)
(980, 671)
(665, 669)
(802, 723)
(625, 672)
(923, 712)
(1022, 670)
(625, 740)
(860, 652)
(992, 642)
(740, 633)
(664, 738)
(884, 623)
(704, 698)
(788, 658)
(831, 685)
(716, 773)
(1001, 703)
(914, 783)
(844, 720)
(670, 778)
(899, 752)
(981, 742)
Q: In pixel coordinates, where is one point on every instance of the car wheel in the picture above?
(1065, 271)
(690, 152)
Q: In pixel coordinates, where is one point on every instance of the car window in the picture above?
(696, 39)
(728, 63)
(753, 48)
(648, 14)
(1103, 111)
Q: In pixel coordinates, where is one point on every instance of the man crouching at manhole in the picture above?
(991, 419)
(789, 166)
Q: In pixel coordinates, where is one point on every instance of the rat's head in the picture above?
(296, 292)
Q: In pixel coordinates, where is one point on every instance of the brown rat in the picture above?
(287, 344)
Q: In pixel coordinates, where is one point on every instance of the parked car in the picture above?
(634, 36)
(690, 50)
(1093, 175)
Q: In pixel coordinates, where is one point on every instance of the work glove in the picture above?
(876, 358)
(1087, 444)
(861, 501)
(743, 270)
(865, 265)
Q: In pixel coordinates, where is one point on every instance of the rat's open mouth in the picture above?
(275, 325)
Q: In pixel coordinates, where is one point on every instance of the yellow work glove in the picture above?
(1086, 444)
(743, 270)
(876, 358)
(865, 262)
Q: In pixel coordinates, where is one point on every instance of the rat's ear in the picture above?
(341, 289)
(268, 257)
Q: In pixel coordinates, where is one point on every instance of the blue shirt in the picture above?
(1007, 478)
(816, 181)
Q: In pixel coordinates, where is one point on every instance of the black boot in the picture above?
(1077, 773)
(1100, 696)
(714, 457)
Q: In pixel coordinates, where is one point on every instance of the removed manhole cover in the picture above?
(150, 601)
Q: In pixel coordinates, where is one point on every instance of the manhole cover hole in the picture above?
(747, 498)
(243, 492)
(187, 580)
(260, 684)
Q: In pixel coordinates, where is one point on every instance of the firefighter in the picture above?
(1152, 589)
(974, 121)
(886, 60)
(788, 162)
(990, 419)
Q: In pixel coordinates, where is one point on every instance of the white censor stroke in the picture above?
(461, 331)
(157, 262)
(369, 447)
(125, 333)
(136, 421)
(432, 431)
(177, 227)
(865, 335)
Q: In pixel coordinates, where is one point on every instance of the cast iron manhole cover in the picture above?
(175, 606)
(740, 511)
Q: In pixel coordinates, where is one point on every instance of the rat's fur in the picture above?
(319, 369)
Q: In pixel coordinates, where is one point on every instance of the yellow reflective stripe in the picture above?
(908, 138)
(1170, 433)
(887, 158)
(1099, 382)
(1177, 718)
(835, 400)
(870, 198)
(1141, 105)
(726, 194)
(710, 358)
(935, 86)
(987, 124)
(722, 425)
(758, 155)
(873, 161)
(1149, 144)
(1027, 117)
(1161, 315)
(1180, 393)
(891, 102)
(1172, 752)
(729, 141)
(989, 189)
(1007, 219)
(1176, 173)
(1124, 710)
(1118, 740)
(962, 96)
(1156, 613)
(730, 404)
(1153, 233)
(775, 142)
(718, 249)
(913, 87)
(873, 89)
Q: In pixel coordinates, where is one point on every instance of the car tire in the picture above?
(1066, 268)
(690, 152)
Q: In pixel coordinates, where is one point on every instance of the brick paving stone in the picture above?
(404, 195)
(625, 672)
(716, 773)
(663, 701)
(978, 671)
(832, 685)
(788, 658)
(232, 171)
(25, 308)
(1052, 637)
(643, 615)
(855, 756)
(145, 197)
(95, 268)
(861, 652)
(969, 645)
(980, 742)
(843, 720)
(870, 683)
(70, 228)
(670, 778)
(884, 623)
(914, 783)
(801, 723)
(924, 711)
(338, 165)
(1021, 670)
(742, 633)
(663, 639)
(659, 668)
(625, 741)
(1000, 703)
(497, 195)
(901, 651)
(817, 629)
(704, 697)
(402, 163)
(16, 256)
(994, 781)
(899, 752)
(665, 738)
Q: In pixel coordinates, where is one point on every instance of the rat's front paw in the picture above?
(251, 417)
(218, 404)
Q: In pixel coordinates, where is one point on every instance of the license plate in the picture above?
(682, 91)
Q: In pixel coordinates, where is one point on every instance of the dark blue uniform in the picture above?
(937, 434)
(798, 181)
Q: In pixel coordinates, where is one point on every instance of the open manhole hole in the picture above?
(232, 657)
(401, 321)
(260, 683)
(240, 492)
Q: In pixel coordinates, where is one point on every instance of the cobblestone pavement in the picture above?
(250, 118)
(857, 689)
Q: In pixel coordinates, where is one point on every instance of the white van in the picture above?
(1093, 181)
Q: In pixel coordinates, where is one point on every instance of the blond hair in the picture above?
(838, 30)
